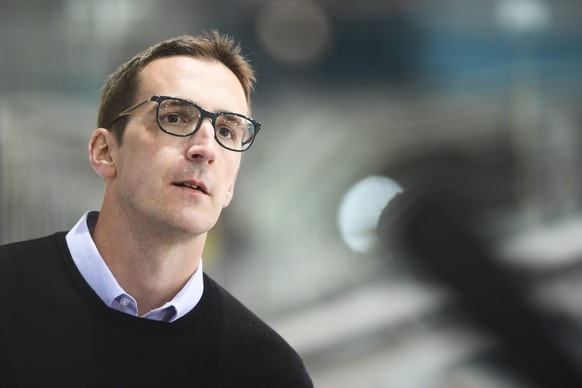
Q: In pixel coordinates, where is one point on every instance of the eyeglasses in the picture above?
(179, 117)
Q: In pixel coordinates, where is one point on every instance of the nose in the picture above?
(201, 145)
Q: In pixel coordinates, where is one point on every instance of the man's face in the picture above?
(155, 172)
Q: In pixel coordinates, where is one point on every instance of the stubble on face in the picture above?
(150, 162)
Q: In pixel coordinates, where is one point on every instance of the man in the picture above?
(121, 299)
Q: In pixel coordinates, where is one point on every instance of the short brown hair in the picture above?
(120, 87)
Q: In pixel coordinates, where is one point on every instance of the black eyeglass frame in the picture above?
(203, 114)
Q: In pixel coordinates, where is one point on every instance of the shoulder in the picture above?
(266, 352)
(230, 310)
(30, 254)
(30, 246)
(233, 312)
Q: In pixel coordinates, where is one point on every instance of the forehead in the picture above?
(209, 83)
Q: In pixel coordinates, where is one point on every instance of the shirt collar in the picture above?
(96, 273)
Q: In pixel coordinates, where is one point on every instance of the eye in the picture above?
(226, 133)
(171, 118)
(175, 112)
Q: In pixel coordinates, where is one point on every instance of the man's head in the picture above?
(119, 91)
(158, 181)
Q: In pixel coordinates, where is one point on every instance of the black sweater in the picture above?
(55, 331)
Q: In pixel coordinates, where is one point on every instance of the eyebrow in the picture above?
(220, 110)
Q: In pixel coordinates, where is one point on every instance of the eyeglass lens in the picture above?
(182, 118)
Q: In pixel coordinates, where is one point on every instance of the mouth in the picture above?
(192, 186)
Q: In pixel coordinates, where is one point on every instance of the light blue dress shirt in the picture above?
(93, 268)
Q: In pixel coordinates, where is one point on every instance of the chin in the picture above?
(194, 228)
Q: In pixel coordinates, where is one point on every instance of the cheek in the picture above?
(137, 172)
(230, 181)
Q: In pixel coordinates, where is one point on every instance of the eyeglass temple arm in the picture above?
(132, 109)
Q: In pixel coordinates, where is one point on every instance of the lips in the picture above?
(192, 185)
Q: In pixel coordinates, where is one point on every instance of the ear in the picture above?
(101, 153)
(230, 191)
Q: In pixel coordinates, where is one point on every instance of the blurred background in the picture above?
(359, 101)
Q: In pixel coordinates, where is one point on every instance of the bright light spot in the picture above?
(294, 32)
(523, 15)
(361, 208)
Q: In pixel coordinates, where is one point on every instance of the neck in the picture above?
(151, 266)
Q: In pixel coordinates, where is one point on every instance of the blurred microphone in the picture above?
(428, 225)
